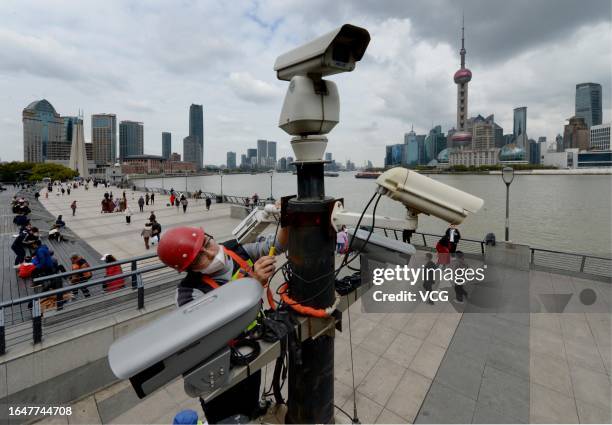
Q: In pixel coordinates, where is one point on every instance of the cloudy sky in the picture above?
(149, 60)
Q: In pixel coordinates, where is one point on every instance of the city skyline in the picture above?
(406, 70)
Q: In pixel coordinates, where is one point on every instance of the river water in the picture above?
(566, 213)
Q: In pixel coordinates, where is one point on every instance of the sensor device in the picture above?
(182, 340)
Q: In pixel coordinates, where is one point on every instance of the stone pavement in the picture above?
(434, 365)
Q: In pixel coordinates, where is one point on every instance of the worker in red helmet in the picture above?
(210, 264)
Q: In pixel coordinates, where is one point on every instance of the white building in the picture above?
(600, 137)
(563, 160)
(476, 158)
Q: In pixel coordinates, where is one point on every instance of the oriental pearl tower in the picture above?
(462, 138)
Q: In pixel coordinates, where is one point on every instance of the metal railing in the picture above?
(244, 201)
(134, 281)
(544, 258)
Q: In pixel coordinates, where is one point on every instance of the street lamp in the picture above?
(507, 177)
(271, 174)
(221, 175)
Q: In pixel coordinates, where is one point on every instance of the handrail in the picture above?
(87, 284)
(94, 268)
(576, 254)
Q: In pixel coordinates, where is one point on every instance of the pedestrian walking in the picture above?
(152, 199)
(453, 235)
(146, 234)
(68, 190)
(172, 197)
(208, 202)
(255, 199)
(73, 206)
(152, 217)
(177, 203)
(184, 203)
(341, 240)
(156, 231)
(63, 190)
(147, 198)
(443, 250)
(407, 235)
(141, 203)
(128, 215)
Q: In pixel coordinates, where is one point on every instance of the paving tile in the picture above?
(379, 339)
(85, 412)
(551, 373)
(548, 321)
(486, 415)
(590, 387)
(148, 410)
(342, 392)
(360, 329)
(548, 406)
(589, 414)
(396, 321)
(427, 360)
(408, 395)
(363, 361)
(403, 349)
(576, 328)
(176, 390)
(509, 358)
(419, 325)
(508, 394)
(444, 405)
(462, 374)
(54, 420)
(584, 354)
(442, 332)
(367, 410)
(388, 417)
(469, 342)
(379, 384)
(547, 343)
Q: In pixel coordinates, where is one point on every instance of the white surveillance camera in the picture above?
(332, 53)
(312, 105)
(421, 194)
(187, 339)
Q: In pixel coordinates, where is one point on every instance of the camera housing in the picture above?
(332, 53)
(312, 105)
(421, 194)
(186, 338)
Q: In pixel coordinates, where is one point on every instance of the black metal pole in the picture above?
(507, 212)
(311, 257)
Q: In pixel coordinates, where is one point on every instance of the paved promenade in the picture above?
(434, 365)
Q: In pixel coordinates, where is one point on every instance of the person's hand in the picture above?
(264, 268)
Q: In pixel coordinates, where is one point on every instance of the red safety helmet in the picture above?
(179, 246)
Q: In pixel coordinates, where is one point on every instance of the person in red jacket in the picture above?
(443, 250)
(113, 285)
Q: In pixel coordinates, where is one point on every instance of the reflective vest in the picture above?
(245, 267)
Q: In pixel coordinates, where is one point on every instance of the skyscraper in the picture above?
(328, 156)
(576, 134)
(104, 138)
(252, 158)
(588, 103)
(231, 160)
(262, 152)
(519, 128)
(131, 140)
(435, 142)
(42, 125)
(196, 127)
(192, 151)
(462, 138)
(166, 144)
(271, 154)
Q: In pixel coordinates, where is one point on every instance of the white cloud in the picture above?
(250, 89)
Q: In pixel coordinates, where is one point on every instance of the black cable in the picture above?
(237, 358)
(344, 261)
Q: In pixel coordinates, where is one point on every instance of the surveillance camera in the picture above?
(422, 194)
(312, 105)
(332, 53)
(180, 341)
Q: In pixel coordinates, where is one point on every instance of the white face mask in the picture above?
(217, 263)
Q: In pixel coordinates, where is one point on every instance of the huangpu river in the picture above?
(566, 213)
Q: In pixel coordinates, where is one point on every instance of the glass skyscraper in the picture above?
(131, 139)
(196, 128)
(588, 103)
(42, 125)
(166, 144)
(104, 138)
(519, 129)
